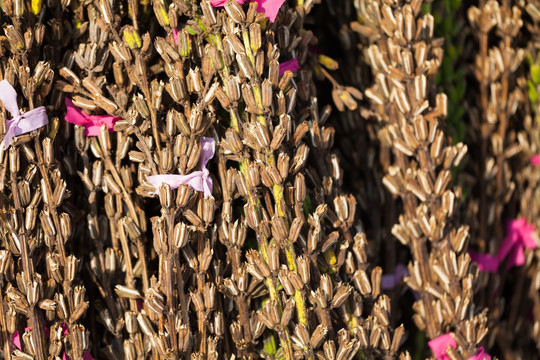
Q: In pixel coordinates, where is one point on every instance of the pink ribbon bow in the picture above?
(485, 262)
(269, 7)
(91, 123)
(441, 343)
(21, 123)
(16, 340)
(291, 65)
(197, 180)
(520, 235)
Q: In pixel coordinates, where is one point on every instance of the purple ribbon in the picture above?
(291, 65)
(21, 123)
(198, 180)
(392, 280)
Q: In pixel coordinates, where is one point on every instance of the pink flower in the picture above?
(535, 160)
(485, 262)
(291, 65)
(520, 235)
(91, 123)
(269, 7)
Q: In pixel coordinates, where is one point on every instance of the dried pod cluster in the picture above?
(42, 300)
(211, 205)
(404, 58)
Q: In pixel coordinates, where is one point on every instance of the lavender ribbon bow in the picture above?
(198, 180)
(21, 123)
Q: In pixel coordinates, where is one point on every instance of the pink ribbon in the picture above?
(520, 235)
(91, 123)
(441, 343)
(16, 340)
(269, 7)
(535, 160)
(485, 262)
(291, 65)
(21, 123)
(198, 180)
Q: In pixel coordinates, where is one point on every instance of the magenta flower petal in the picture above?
(440, 344)
(485, 262)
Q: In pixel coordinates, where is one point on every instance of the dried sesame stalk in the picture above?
(499, 100)
(404, 59)
(34, 186)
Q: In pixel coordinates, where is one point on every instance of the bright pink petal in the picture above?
(440, 344)
(485, 262)
(480, 355)
(535, 160)
(270, 8)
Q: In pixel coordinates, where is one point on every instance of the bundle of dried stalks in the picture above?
(404, 59)
(267, 265)
(42, 300)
